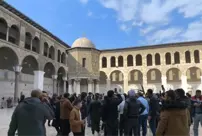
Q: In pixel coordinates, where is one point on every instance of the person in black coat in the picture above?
(111, 116)
(95, 114)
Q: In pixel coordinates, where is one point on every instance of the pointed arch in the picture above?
(116, 77)
(49, 70)
(135, 76)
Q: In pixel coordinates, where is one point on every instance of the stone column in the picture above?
(184, 82)
(97, 87)
(55, 83)
(64, 84)
(17, 70)
(78, 87)
(70, 86)
(90, 85)
(7, 34)
(125, 83)
(164, 81)
(38, 80)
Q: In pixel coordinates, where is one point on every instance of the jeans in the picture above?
(152, 124)
(197, 120)
(143, 124)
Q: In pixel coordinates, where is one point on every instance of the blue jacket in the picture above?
(28, 118)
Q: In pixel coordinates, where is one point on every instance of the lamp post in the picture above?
(17, 69)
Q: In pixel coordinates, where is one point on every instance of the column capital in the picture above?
(17, 68)
(64, 78)
(54, 77)
(90, 80)
(77, 79)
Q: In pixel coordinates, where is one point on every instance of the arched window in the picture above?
(63, 58)
(59, 56)
(113, 61)
(120, 61)
(14, 35)
(51, 53)
(196, 56)
(45, 51)
(130, 60)
(157, 59)
(187, 57)
(28, 40)
(177, 58)
(104, 62)
(168, 58)
(35, 45)
(3, 29)
(149, 60)
(138, 60)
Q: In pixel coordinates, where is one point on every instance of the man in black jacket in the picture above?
(154, 110)
(110, 114)
(132, 110)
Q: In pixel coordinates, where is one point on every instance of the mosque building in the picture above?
(33, 58)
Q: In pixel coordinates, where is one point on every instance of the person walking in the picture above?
(132, 110)
(197, 111)
(110, 113)
(154, 110)
(121, 117)
(95, 114)
(76, 123)
(65, 109)
(28, 117)
(143, 117)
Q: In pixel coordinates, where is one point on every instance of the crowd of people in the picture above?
(169, 113)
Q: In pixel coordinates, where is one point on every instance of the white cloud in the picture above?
(194, 31)
(84, 1)
(166, 35)
(147, 29)
(124, 28)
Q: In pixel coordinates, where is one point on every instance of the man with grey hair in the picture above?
(132, 110)
(28, 117)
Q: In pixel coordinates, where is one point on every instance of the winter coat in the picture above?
(28, 118)
(174, 119)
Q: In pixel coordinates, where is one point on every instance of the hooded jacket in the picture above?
(174, 120)
(28, 118)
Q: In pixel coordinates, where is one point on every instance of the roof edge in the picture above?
(31, 22)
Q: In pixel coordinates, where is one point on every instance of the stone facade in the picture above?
(44, 62)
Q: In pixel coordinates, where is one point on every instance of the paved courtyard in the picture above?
(5, 117)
